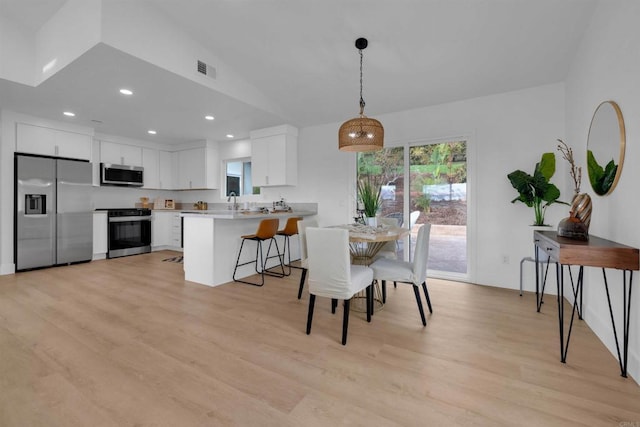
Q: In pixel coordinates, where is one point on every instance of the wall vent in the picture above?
(207, 70)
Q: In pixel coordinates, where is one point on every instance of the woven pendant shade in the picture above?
(361, 134)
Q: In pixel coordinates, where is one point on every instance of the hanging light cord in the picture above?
(361, 99)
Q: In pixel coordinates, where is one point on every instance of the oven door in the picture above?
(129, 236)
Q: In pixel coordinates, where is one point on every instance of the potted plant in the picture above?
(369, 195)
(535, 190)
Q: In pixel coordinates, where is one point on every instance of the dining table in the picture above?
(365, 242)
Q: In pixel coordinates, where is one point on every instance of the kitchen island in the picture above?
(212, 240)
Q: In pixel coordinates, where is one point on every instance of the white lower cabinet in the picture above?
(176, 230)
(100, 238)
(166, 230)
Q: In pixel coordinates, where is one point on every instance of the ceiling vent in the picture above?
(207, 70)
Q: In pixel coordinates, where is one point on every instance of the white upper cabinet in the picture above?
(52, 142)
(167, 172)
(120, 154)
(198, 168)
(151, 165)
(274, 156)
(191, 169)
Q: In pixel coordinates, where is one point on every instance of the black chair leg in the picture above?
(238, 260)
(371, 301)
(345, 321)
(268, 271)
(303, 276)
(334, 304)
(286, 250)
(426, 295)
(369, 297)
(395, 285)
(419, 301)
(312, 301)
(384, 291)
(261, 273)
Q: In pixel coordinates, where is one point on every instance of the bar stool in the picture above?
(290, 229)
(266, 231)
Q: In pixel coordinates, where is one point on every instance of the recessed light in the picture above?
(69, 114)
(229, 135)
(126, 92)
(209, 117)
(151, 132)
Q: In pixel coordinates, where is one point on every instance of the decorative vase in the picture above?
(577, 225)
(372, 221)
(581, 208)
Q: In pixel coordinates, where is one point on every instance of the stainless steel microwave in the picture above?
(130, 176)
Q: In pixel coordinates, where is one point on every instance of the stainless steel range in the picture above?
(129, 231)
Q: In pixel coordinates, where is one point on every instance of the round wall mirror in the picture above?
(605, 148)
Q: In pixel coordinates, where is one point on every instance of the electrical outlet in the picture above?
(505, 259)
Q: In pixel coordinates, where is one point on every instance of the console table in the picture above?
(596, 252)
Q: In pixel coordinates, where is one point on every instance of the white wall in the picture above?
(73, 30)
(507, 132)
(607, 67)
(17, 56)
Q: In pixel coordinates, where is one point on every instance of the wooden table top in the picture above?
(386, 234)
(595, 252)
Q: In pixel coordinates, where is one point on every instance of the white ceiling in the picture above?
(301, 54)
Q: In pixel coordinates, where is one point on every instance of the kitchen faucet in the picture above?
(235, 204)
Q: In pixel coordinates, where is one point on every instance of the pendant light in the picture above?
(361, 133)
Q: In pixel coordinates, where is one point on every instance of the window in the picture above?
(238, 178)
(423, 183)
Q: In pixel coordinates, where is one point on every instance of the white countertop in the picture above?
(242, 214)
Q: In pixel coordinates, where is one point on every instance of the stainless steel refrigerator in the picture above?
(53, 216)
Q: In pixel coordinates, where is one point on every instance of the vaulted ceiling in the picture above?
(301, 56)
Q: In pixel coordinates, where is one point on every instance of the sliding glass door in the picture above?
(425, 183)
(438, 183)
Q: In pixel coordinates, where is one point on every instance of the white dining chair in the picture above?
(389, 249)
(304, 264)
(412, 273)
(331, 274)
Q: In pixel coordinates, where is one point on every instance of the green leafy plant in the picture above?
(423, 201)
(369, 195)
(601, 178)
(535, 190)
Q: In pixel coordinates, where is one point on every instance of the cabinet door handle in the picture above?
(266, 179)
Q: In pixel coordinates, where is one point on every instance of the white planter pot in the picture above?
(372, 221)
(542, 255)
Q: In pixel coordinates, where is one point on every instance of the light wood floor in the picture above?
(128, 342)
